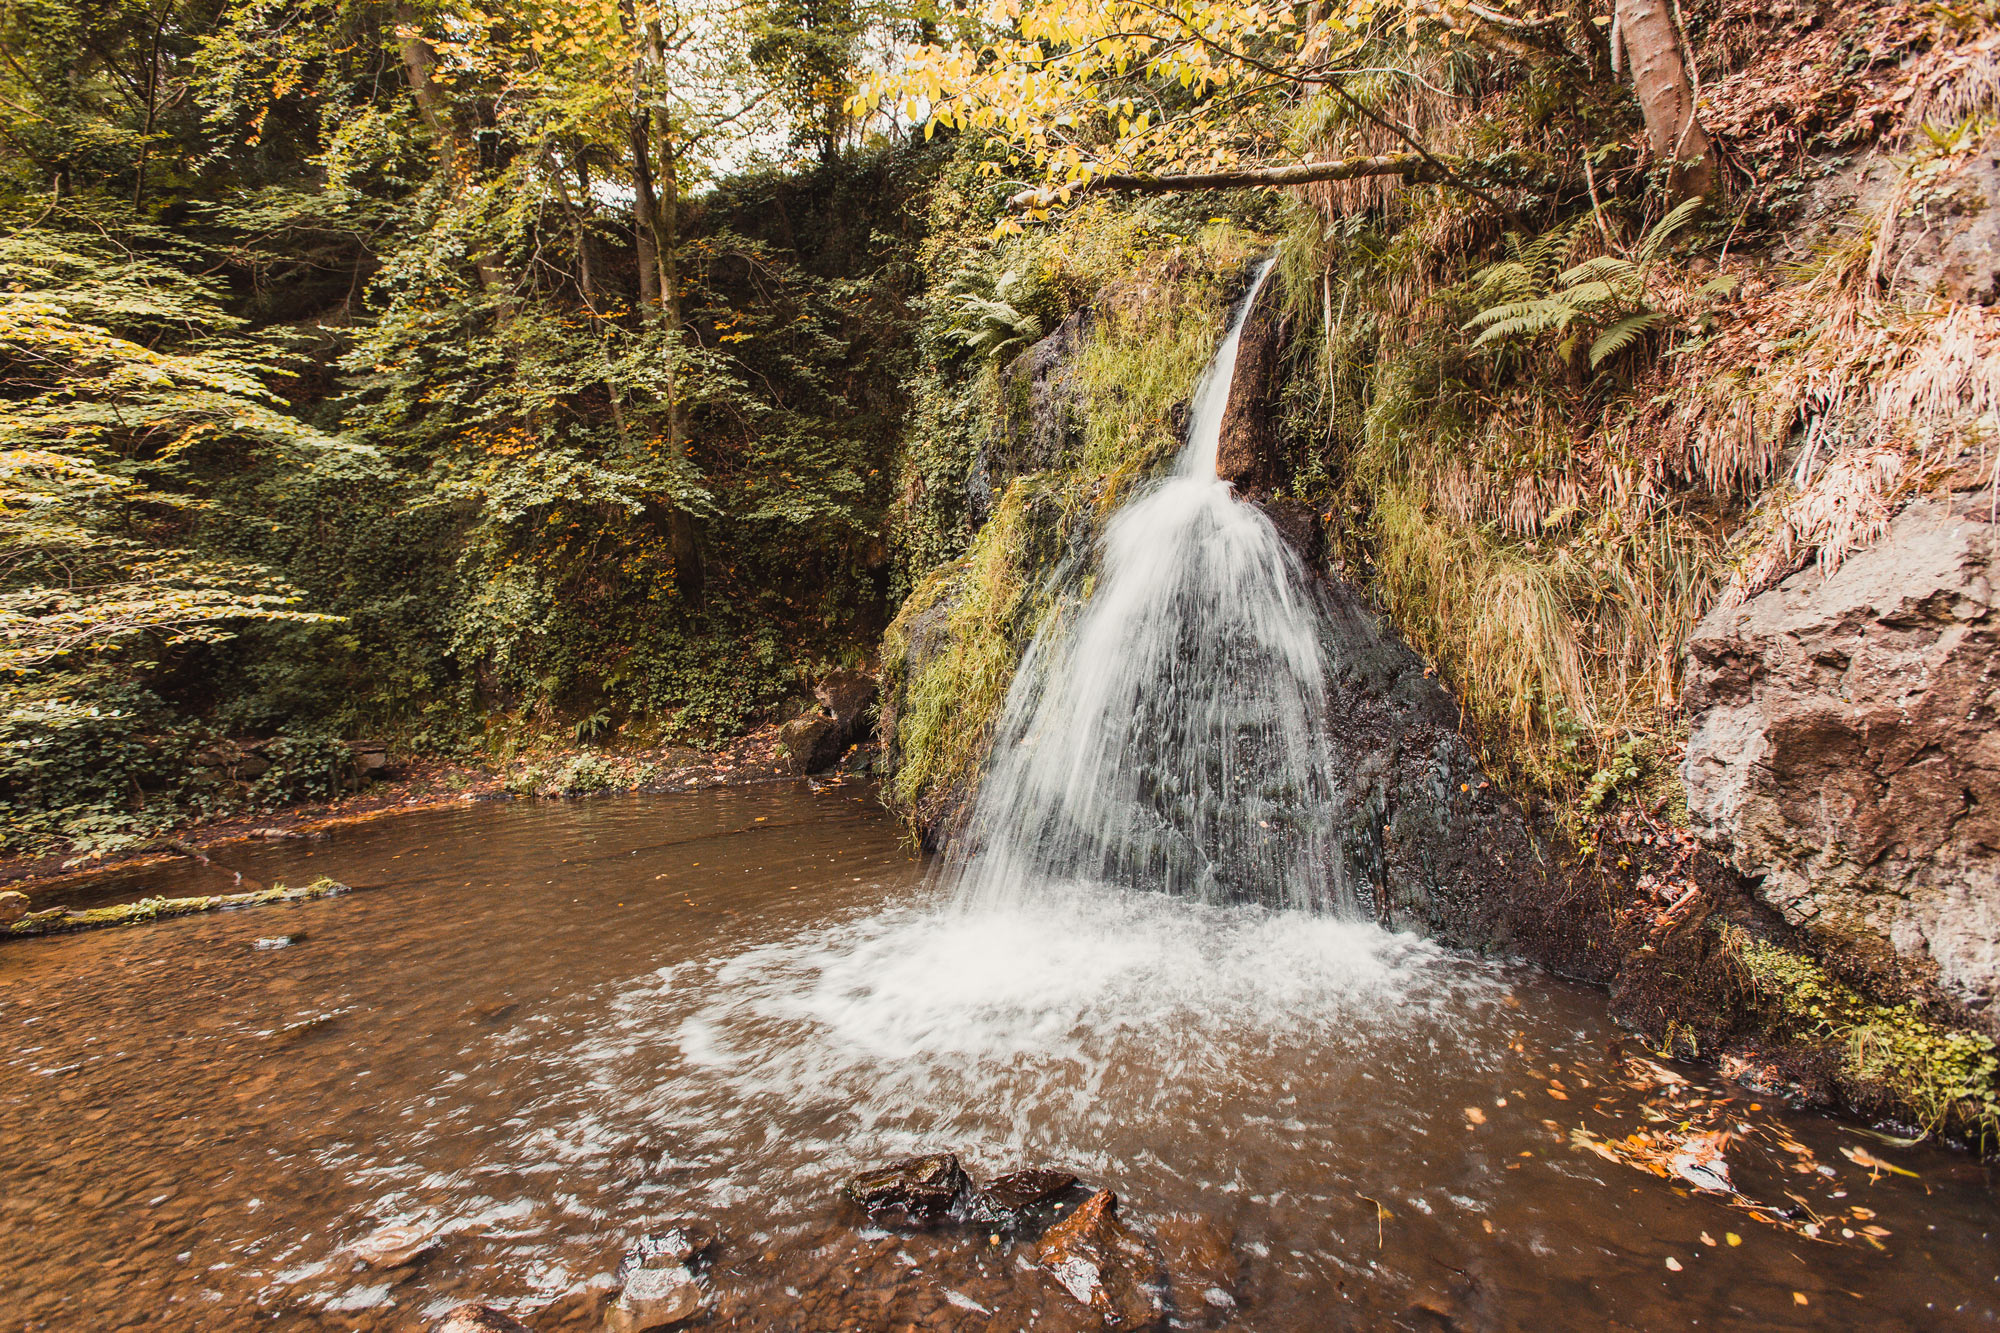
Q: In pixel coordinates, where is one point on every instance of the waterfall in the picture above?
(1172, 733)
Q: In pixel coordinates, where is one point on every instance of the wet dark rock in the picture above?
(1250, 452)
(1845, 752)
(13, 906)
(1202, 1267)
(1101, 1264)
(918, 1191)
(1299, 524)
(1042, 419)
(474, 1318)
(1004, 1199)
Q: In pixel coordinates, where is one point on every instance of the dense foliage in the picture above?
(422, 373)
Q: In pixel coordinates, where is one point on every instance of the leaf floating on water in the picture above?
(1475, 1115)
(1708, 1240)
(1863, 1158)
(1799, 1298)
(1673, 1264)
(1732, 1238)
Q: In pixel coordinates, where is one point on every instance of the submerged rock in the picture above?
(475, 1318)
(1845, 751)
(656, 1298)
(1202, 1267)
(395, 1245)
(917, 1191)
(681, 1241)
(1099, 1262)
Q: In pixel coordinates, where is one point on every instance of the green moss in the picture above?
(991, 607)
(1948, 1080)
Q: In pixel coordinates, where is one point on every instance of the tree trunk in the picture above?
(456, 154)
(645, 208)
(1652, 45)
(689, 576)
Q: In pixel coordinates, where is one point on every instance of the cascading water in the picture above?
(1172, 735)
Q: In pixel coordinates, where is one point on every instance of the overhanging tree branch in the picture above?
(1412, 167)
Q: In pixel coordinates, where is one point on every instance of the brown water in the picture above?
(558, 1023)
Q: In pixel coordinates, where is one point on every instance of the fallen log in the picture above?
(62, 920)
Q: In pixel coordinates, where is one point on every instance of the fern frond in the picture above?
(1622, 335)
(1541, 308)
(1663, 230)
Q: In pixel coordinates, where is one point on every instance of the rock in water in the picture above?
(656, 1298)
(13, 906)
(681, 1241)
(918, 1191)
(1101, 1264)
(395, 1245)
(1005, 1198)
(472, 1318)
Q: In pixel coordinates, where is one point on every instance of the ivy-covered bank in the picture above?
(1558, 435)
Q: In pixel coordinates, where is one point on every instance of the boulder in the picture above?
(13, 906)
(918, 1191)
(817, 738)
(811, 742)
(1845, 751)
(474, 1318)
(1099, 1263)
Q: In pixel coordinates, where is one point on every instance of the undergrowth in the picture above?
(1949, 1079)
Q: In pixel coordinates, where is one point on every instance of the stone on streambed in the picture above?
(395, 1245)
(13, 906)
(1101, 1264)
(915, 1192)
(474, 1318)
(660, 1288)
(656, 1298)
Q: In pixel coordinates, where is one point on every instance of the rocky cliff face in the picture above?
(1845, 751)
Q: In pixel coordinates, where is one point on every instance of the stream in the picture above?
(555, 1024)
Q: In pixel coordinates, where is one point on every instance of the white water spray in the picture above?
(1173, 735)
